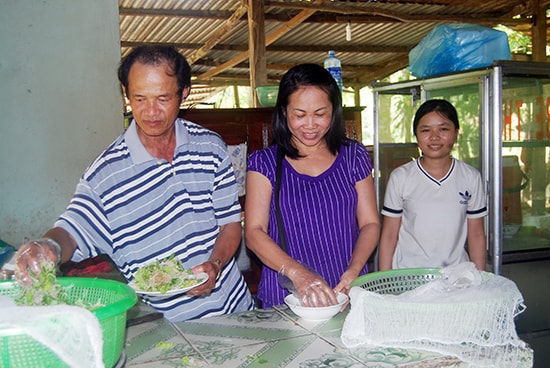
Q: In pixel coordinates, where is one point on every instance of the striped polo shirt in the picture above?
(137, 208)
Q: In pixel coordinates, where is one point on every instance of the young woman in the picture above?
(434, 206)
(327, 201)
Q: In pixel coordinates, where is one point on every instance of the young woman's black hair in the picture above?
(442, 107)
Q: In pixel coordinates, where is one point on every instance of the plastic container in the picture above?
(396, 281)
(334, 66)
(20, 350)
(6, 252)
(315, 313)
(267, 95)
(473, 322)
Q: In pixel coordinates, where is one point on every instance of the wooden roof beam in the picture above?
(374, 9)
(330, 14)
(279, 48)
(219, 35)
(272, 37)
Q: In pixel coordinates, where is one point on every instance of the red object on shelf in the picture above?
(87, 267)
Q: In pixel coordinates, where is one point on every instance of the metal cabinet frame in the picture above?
(490, 81)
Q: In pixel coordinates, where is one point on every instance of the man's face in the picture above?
(154, 98)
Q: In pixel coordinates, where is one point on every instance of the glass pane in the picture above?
(397, 140)
(396, 112)
(526, 163)
(466, 101)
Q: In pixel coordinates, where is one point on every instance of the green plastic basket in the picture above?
(20, 350)
(396, 281)
(267, 95)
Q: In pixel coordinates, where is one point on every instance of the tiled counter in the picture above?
(261, 338)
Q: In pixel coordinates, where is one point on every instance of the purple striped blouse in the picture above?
(319, 215)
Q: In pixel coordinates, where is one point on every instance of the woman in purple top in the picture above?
(326, 196)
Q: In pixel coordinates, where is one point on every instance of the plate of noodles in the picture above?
(165, 278)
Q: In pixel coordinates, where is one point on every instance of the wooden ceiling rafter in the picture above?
(278, 48)
(332, 15)
(217, 64)
(377, 10)
(382, 70)
(269, 39)
(220, 34)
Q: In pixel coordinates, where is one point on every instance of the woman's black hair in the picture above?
(307, 75)
(442, 107)
(156, 55)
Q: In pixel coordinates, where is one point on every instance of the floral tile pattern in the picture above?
(263, 338)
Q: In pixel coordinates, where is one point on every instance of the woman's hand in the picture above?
(344, 285)
(310, 287)
(345, 282)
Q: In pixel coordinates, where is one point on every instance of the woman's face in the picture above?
(154, 98)
(436, 135)
(309, 114)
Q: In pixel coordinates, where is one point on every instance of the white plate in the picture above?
(200, 275)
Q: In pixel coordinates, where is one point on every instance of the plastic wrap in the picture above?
(464, 313)
(457, 47)
(72, 333)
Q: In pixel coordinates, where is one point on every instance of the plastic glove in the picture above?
(32, 255)
(307, 285)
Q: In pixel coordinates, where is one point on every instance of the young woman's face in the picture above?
(436, 135)
(309, 113)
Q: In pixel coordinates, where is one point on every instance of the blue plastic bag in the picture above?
(456, 47)
(6, 251)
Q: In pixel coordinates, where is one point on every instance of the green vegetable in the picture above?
(164, 345)
(164, 275)
(44, 288)
(257, 358)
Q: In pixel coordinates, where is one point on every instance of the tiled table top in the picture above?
(261, 338)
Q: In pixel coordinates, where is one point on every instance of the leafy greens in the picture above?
(164, 275)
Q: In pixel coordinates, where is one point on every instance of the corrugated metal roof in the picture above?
(383, 33)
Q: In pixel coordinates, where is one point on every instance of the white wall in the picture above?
(60, 104)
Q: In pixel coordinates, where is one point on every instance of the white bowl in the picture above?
(315, 313)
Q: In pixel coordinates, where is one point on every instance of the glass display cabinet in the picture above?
(504, 115)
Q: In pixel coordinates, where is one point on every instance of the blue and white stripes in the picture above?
(136, 208)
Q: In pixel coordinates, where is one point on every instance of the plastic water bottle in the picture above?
(334, 66)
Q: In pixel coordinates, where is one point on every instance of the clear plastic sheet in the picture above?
(467, 314)
(72, 333)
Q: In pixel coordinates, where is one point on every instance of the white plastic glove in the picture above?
(307, 285)
(32, 254)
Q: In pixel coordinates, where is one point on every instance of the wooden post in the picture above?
(538, 31)
(256, 46)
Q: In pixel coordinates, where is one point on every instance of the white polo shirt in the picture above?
(433, 213)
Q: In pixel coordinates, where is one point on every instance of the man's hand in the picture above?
(30, 256)
(213, 268)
